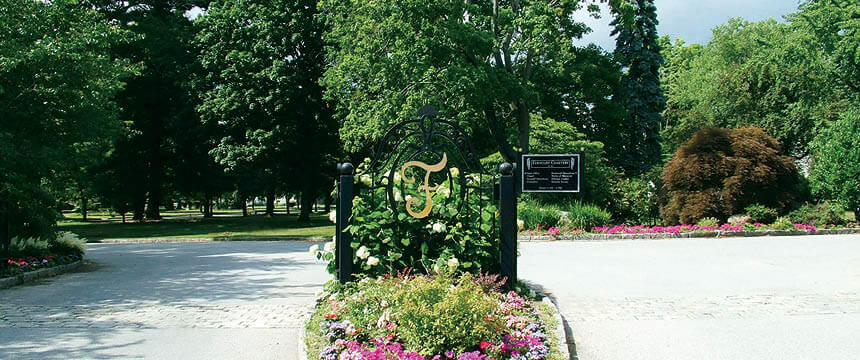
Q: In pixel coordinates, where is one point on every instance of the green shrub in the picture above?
(709, 221)
(835, 171)
(825, 213)
(536, 215)
(436, 315)
(720, 172)
(584, 216)
(32, 246)
(387, 241)
(783, 223)
(634, 201)
(67, 243)
(761, 214)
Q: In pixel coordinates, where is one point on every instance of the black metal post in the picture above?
(508, 225)
(343, 248)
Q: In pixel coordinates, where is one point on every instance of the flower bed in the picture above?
(678, 229)
(429, 318)
(16, 266)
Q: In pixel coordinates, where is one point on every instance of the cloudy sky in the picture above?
(692, 20)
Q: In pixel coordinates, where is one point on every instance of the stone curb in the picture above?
(688, 235)
(38, 274)
(559, 331)
(205, 240)
(303, 346)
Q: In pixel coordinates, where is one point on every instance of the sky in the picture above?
(692, 20)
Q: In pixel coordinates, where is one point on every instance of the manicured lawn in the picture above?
(197, 227)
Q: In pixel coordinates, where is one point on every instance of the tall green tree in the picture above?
(638, 51)
(158, 101)
(56, 87)
(262, 62)
(477, 61)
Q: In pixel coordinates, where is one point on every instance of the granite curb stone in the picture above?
(687, 235)
(559, 331)
(38, 274)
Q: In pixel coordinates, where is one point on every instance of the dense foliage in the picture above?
(56, 91)
(486, 61)
(835, 172)
(387, 239)
(262, 63)
(719, 172)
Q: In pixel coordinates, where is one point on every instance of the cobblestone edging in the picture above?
(559, 332)
(687, 235)
(205, 240)
(38, 274)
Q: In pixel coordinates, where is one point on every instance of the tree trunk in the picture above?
(123, 217)
(139, 205)
(327, 200)
(307, 202)
(244, 206)
(207, 207)
(270, 202)
(84, 206)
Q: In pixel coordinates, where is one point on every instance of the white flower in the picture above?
(362, 252)
(372, 261)
(521, 224)
(407, 198)
(397, 196)
(365, 179)
(333, 216)
(439, 227)
(314, 249)
(397, 177)
(329, 246)
(436, 268)
(453, 263)
(444, 191)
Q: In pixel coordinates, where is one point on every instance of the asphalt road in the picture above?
(222, 300)
(736, 298)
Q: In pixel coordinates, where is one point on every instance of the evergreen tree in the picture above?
(638, 51)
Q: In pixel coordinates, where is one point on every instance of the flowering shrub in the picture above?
(675, 229)
(429, 318)
(16, 266)
(458, 231)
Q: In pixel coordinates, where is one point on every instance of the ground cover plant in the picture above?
(429, 317)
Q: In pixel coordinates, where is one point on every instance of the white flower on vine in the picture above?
(521, 224)
(372, 260)
(453, 263)
(407, 198)
(314, 249)
(362, 252)
(333, 216)
(439, 227)
(365, 179)
(444, 191)
(455, 172)
(329, 246)
(397, 196)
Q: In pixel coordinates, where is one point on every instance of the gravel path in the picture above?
(230, 300)
(737, 298)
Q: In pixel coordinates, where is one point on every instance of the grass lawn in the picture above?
(197, 227)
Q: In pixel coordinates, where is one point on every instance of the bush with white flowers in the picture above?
(458, 234)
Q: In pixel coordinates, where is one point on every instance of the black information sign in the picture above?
(552, 173)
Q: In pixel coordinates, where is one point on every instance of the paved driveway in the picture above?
(230, 300)
(735, 298)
